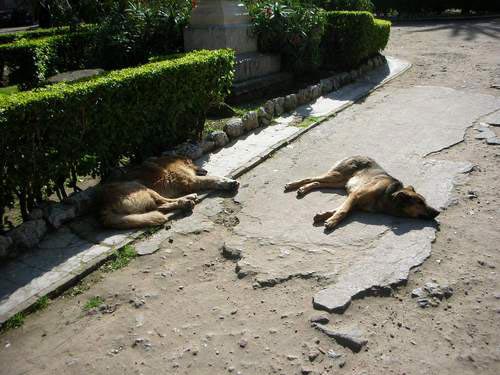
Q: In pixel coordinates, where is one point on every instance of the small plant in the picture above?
(121, 258)
(41, 304)
(308, 121)
(15, 322)
(93, 303)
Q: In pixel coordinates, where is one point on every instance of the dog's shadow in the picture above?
(398, 225)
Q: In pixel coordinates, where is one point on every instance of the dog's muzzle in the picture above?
(431, 213)
(201, 172)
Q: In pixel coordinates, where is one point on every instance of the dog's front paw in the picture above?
(229, 185)
(291, 186)
(321, 217)
(192, 197)
(301, 192)
(187, 204)
(330, 225)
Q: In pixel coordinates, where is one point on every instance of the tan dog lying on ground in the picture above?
(369, 188)
(143, 195)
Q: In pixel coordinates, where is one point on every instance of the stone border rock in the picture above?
(53, 215)
(50, 216)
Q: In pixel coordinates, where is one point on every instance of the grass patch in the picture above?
(240, 110)
(15, 322)
(213, 125)
(243, 108)
(308, 121)
(9, 90)
(41, 304)
(93, 303)
(18, 320)
(121, 258)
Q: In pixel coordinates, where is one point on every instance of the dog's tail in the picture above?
(111, 219)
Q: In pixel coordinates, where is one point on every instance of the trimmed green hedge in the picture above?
(50, 136)
(31, 61)
(40, 33)
(351, 37)
(33, 34)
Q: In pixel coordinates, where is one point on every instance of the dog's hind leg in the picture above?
(331, 177)
(318, 185)
(175, 204)
(161, 200)
(132, 221)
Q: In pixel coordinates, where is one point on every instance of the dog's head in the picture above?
(411, 204)
(198, 170)
(167, 160)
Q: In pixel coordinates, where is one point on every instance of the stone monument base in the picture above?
(217, 24)
(236, 36)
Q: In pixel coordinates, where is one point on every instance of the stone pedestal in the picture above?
(219, 24)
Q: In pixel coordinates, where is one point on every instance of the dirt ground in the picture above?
(184, 311)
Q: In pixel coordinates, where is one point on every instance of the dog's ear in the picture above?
(392, 188)
(409, 187)
(402, 196)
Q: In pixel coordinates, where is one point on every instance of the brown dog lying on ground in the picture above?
(144, 194)
(369, 188)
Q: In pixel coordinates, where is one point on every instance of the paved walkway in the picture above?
(367, 253)
(64, 256)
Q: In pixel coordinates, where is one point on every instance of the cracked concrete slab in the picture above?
(367, 253)
(492, 119)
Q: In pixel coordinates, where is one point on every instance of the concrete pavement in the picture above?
(368, 253)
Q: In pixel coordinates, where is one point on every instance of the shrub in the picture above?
(130, 36)
(64, 12)
(291, 29)
(351, 37)
(50, 136)
(32, 34)
(31, 61)
(127, 37)
(351, 5)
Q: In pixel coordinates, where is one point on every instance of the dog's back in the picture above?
(358, 171)
(168, 175)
